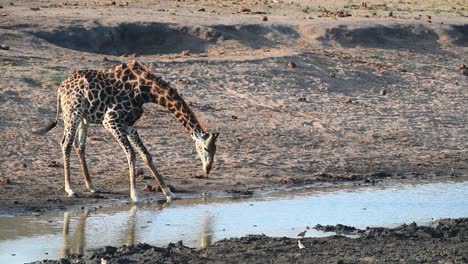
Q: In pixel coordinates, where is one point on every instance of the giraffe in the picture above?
(115, 98)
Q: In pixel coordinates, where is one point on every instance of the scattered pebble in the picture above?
(105, 59)
(35, 8)
(5, 181)
(245, 10)
(234, 117)
(201, 10)
(292, 65)
(52, 164)
(265, 18)
(185, 53)
(149, 188)
(332, 75)
(4, 47)
(287, 180)
(139, 172)
(428, 18)
(383, 92)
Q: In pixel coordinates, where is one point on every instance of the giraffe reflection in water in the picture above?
(74, 236)
(75, 244)
(206, 232)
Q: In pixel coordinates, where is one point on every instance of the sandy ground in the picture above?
(372, 96)
(445, 241)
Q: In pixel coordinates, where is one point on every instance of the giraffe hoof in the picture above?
(72, 194)
(170, 197)
(94, 190)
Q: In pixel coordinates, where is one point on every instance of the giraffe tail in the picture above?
(43, 131)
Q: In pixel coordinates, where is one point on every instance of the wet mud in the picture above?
(446, 241)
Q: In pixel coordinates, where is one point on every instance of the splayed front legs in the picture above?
(146, 156)
(124, 135)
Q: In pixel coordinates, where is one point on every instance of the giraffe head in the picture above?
(206, 148)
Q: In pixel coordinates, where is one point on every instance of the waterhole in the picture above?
(200, 222)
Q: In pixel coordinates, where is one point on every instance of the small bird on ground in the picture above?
(300, 244)
(302, 234)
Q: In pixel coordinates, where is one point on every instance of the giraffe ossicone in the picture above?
(115, 99)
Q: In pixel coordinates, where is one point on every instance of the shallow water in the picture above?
(200, 222)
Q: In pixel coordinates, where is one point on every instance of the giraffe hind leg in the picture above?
(146, 156)
(80, 148)
(67, 142)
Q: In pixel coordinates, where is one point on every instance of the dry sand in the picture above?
(372, 96)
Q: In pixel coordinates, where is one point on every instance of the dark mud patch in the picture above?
(377, 248)
(140, 38)
(416, 37)
(163, 38)
(459, 35)
(446, 228)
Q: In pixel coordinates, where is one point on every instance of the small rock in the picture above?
(349, 101)
(302, 99)
(245, 10)
(332, 74)
(383, 92)
(139, 172)
(52, 164)
(464, 71)
(265, 18)
(35, 8)
(105, 59)
(234, 117)
(287, 180)
(112, 3)
(201, 10)
(4, 47)
(428, 18)
(5, 181)
(292, 65)
(461, 67)
(390, 14)
(185, 53)
(149, 188)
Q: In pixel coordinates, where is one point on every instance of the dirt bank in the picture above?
(445, 241)
(372, 96)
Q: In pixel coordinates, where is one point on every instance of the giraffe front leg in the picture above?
(80, 147)
(121, 137)
(146, 156)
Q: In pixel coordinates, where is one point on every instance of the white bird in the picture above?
(300, 244)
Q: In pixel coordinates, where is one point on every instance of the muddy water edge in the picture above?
(204, 228)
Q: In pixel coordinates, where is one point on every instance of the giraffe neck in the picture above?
(173, 102)
(153, 89)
